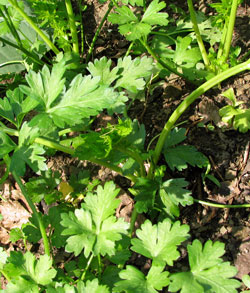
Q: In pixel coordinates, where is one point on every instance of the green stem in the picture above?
(87, 267)
(197, 33)
(162, 63)
(35, 27)
(222, 42)
(70, 151)
(81, 26)
(35, 213)
(11, 63)
(6, 276)
(135, 156)
(222, 206)
(34, 58)
(10, 25)
(230, 30)
(129, 49)
(97, 33)
(72, 26)
(188, 101)
(99, 266)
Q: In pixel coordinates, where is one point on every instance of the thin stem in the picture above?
(135, 156)
(34, 58)
(6, 276)
(188, 101)
(72, 26)
(230, 30)
(71, 151)
(35, 27)
(222, 42)
(87, 266)
(197, 33)
(97, 33)
(11, 63)
(99, 266)
(222, 206)
(162, 63)
(10, 25)
(129, 48)
(81, 26)
(35, 213)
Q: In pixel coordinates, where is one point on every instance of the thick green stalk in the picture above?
(35, 27)
(222, 206)
(197, 33)
(35, 213)
(68, 150)
(188, 101)
(72, 26)
(230, 30)
(97, 33)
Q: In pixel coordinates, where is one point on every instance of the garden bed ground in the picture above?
(228, 152)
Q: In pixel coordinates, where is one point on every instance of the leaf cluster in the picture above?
(93, 233)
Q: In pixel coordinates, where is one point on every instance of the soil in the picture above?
(227, 150)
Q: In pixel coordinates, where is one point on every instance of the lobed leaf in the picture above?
(135, 281)
(152, 15)
(173, 193)
(133, 72)
(84, 98)
(26, 271)
(44, 86)
(159, 242)
(207, 272)
(180, 156)
(93, 227)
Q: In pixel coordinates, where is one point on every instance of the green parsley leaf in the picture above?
(26, 153)
(44, 86)
(151, 15)
(83, 98)
(144, 191)
(185, 54)
(207, 270)
(24, 268)
(133, 2)
(159, 242)
(179, 156)
(135, 281)
(133, 72)
(92, 287)
(101, 68)
(92, 145)
(172, 194)
(132, 27)
(232, 114)
(7, 145)
(94, 228)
